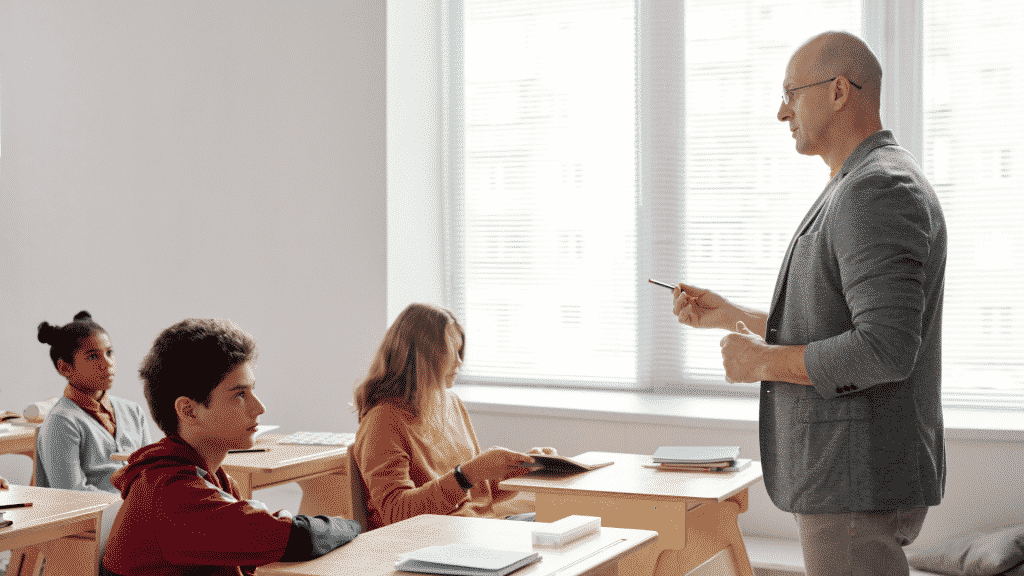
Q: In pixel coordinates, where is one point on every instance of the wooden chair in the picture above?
(358, 492)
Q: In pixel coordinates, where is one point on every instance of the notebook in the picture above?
(741, 464)
(464, 560)
(697, 454)
(562, 465)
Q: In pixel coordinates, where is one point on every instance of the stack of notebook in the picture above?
(699, 459)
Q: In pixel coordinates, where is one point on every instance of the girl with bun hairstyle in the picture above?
(87, 425)
(415, 447)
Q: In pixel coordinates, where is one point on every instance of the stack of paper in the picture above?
(463, 560)
(699, 459)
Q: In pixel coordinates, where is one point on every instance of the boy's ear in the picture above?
(185, 408)
(64, 368)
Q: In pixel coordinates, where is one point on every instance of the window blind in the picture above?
(747, 188)
(973, 157)
(547, 283)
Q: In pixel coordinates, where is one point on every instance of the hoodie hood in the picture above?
(167, 456)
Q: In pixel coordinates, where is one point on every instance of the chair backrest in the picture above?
(359, 513)
(106, 523)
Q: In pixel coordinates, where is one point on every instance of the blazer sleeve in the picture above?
(384, 462)
(880, 238)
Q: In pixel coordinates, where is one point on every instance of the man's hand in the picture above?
(744, 356)
(700, 308)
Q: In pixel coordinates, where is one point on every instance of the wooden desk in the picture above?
(321, 472)
(61, 525)
(694, 513)
(375, 552)
(21, 440)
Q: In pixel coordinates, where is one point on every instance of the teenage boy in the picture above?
(182, 514)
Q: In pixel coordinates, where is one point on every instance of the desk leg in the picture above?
(330, 495)
(244, 482)
(32, 456)
(77, 555)
(711, 528)
(25, 562)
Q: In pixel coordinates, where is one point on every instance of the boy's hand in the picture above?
(3, 484)
(543, 451)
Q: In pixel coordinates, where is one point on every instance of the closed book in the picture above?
(741, 464)
(559, 465)
(463, 560)
(696, 454)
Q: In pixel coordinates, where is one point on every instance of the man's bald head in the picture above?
(830, 117)
(843, 54)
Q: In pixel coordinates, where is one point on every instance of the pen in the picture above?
(9, 506)
(239, 451)
(669, 286)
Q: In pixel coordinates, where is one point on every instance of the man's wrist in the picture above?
(785, 364)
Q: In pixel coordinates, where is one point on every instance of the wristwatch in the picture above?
(464, 482)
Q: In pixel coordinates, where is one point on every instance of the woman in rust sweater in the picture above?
(415, 447)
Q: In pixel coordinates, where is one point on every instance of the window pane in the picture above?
(549, 201)
(746, 186)
(973, 156)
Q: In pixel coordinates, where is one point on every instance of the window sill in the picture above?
(729, 413)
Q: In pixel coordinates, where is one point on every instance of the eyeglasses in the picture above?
(787, 94)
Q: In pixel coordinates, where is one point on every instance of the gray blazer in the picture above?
(861, 285)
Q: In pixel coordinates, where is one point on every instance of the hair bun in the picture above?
(46, 333)
(83, 315)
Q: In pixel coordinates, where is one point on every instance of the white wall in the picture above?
(414, 148)
(181, 158)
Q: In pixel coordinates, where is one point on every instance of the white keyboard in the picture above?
(320, 438)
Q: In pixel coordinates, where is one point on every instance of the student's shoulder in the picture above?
(126, 403)
(384, 420)
(387, 413)
(63, 414)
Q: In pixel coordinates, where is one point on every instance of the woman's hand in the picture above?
(543, 451)
(497, 464)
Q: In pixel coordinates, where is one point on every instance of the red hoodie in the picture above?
(178, 519)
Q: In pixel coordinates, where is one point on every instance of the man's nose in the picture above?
(784, 112)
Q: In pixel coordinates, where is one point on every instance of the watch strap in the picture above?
(464, 482)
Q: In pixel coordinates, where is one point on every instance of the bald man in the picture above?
(849, 355)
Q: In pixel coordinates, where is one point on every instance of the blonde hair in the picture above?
(409, 361)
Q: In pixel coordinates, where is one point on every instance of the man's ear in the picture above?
(64, 368)
(841, 93)
(185, 407)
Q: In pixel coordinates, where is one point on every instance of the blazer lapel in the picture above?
(780, 284)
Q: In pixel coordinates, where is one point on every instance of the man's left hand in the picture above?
(744, 356)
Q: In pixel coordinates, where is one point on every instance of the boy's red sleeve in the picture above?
(202, 524)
